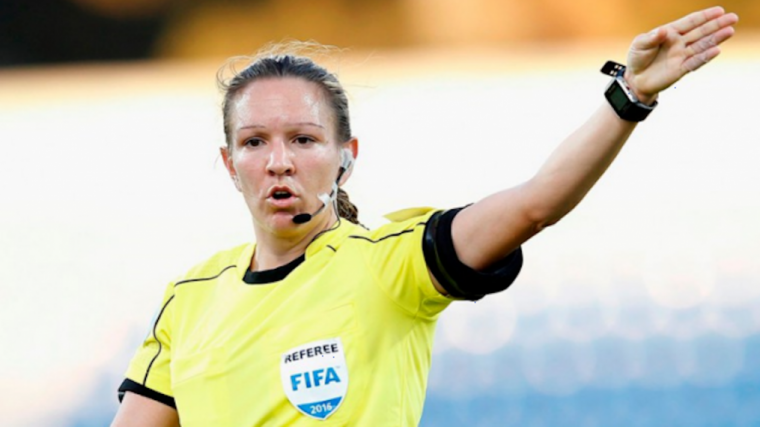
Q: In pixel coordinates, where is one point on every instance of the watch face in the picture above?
(625, 107)
(616, 95)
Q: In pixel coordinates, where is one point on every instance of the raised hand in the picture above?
(658, 59)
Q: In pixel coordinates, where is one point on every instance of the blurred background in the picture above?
(641, 308)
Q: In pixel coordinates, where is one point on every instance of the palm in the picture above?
(658, 59)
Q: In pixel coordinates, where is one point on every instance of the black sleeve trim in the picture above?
(137, 388)
(459, 280)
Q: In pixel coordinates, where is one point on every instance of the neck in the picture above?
(275, 250)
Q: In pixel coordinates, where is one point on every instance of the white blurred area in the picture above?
(111, 185)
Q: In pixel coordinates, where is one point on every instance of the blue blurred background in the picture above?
(641, 308)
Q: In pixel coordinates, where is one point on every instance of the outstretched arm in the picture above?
(656, 60)
(139, 411)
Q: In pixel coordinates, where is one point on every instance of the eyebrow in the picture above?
(255, 126)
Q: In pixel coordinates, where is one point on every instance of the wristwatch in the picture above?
(620, 96)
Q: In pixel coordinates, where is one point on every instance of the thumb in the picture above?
(650, 40)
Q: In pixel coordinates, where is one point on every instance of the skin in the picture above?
(656, 61)
(284, 136)
(278, 109)
(139, 411)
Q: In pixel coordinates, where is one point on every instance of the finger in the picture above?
(710, 27)
(695, 62)
(707, 42)
(696, 19)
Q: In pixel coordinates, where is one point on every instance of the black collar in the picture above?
(273, 275)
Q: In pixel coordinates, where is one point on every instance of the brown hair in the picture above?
(280, 61)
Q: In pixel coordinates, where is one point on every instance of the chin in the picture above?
(282, 222)
(276, 223)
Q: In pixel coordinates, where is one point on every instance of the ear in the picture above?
(349, 149)
(227, 157)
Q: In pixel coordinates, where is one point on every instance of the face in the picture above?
(283, 151)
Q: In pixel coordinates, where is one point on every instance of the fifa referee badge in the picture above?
(315, 377)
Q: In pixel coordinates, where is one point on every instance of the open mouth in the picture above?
(280, 195)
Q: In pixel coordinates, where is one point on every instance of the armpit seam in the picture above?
(155, 336)
(404, 377)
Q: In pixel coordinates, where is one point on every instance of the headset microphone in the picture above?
(346, 160)
(303, 218)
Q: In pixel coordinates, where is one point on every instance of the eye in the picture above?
(254, 142)
(303, 140)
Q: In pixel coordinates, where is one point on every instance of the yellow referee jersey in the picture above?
(339, 337)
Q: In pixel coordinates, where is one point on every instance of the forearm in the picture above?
(560, 184)
(576, 165)
(489, 229)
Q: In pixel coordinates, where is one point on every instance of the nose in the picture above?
(280, 160)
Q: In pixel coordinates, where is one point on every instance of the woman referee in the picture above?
(322, 322)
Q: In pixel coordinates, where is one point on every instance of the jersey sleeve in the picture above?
(394, 253)
(407, 252)
(148, 373)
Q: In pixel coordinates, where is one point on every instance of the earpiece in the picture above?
(346, 159)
